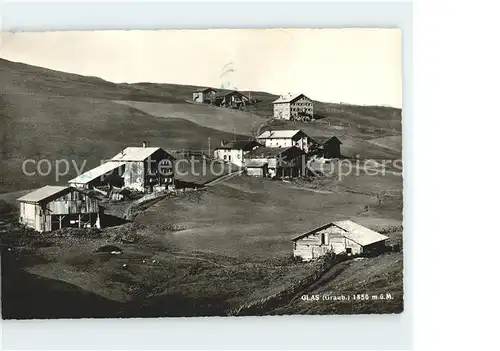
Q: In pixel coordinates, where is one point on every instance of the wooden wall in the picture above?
(323, 241)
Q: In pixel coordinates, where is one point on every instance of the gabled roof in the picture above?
(222, 93)
(274, 134)
(135, 154)
(96, 172)
(239, 145)
(352, 231)
(327, 139)
(303, 235)
(202, 90)
(44, 193)
(255, 164)
(288, 98)
(359, 234)
(270, 152)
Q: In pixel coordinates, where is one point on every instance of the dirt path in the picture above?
(200, 259)
(312, 190)
(223, 178)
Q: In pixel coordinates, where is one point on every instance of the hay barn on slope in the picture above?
(204, 95)
(55, 207)
(338, 237)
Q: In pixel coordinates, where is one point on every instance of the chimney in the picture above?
(143, 144)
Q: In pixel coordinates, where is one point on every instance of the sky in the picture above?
(357, 66)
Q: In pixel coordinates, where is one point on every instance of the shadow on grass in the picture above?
(29, 296)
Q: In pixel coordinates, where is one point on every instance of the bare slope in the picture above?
(19, 78)
(227, 120)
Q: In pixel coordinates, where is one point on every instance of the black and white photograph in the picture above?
(195, 173)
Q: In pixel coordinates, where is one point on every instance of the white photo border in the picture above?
(369, 332)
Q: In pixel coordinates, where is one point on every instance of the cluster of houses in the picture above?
(221, 98)
(143, 169)
(288, 106)
(277, 153)
(272, 154)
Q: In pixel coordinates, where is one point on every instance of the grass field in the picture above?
(257, 218)
(227, 120)
(84, 131)
(200, 253)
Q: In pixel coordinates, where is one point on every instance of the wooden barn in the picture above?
(204, 95)
(230, 99)
(275, 162)
(328, 147)
(338, 237)
(56, 207)
(146, 169)
(256, 168)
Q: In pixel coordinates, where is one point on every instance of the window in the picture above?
(348, 250)
(325, 239)
(225, 157)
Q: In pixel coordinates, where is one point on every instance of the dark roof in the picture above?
(239, 144)
(327, 139)
(202, 90)
(223, 93)
(255, 164)
(266, 152)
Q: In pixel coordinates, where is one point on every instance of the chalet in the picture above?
(204, 95)
(235, 150)
(275, 162)
(293, 107)
(56, 207)
(146, 169)
(230, 99)
(338, 237)
(328, 147)
(285, 139)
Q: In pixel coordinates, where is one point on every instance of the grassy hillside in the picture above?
(19, 78)
(377, 276)
(37, 122)
(227, 120)
(256, 218)
(200, 253)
